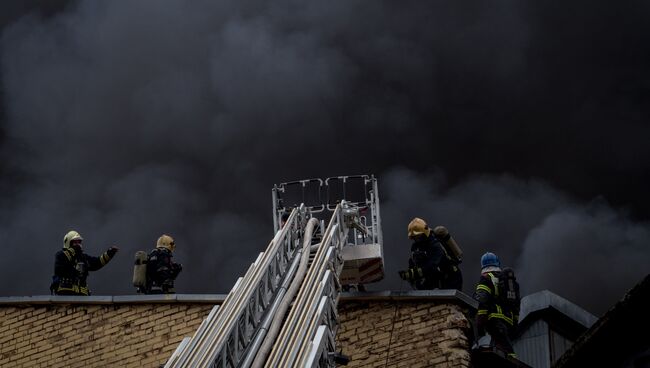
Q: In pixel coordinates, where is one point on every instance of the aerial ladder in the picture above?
(283, 311)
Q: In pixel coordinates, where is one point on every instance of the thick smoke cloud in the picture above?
(587, 252)
(125, 120)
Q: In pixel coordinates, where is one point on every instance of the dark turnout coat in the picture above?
(161, 271)
(71, 269)
(439, 270)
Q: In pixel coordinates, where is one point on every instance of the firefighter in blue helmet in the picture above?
(497, 293)
(431, 266)
(71, 266)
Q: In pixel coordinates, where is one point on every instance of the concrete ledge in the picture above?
(170, 298)
(60, 299)
(447, 295)
(453, 296)
(37, 299)
(139, 299)
(201, 298)
(118, 299)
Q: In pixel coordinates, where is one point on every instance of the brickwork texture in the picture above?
(114, 335)
(403, 334)
(411, 334)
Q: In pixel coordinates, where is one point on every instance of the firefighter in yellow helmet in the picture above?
(161, 270)
(431, 265)
(71, 266)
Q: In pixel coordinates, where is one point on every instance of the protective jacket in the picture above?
(492, 303)
(71, 267)
(161, 272)
(495, 314)
(439, 271)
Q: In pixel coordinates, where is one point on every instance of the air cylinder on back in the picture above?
(140, 269)
(448, 242)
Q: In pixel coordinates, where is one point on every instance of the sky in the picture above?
(521, 127)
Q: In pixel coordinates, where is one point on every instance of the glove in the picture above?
(111, 251)
(55, 284)
(411, 274)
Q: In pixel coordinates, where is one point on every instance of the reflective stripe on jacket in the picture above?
(487, 295)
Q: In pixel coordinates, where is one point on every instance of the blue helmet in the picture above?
(490, 259)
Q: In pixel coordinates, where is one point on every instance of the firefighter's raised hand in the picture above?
(112, 250)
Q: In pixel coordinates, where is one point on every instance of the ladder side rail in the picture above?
(227, 328)
(201, 338)
(272, 324)
(333, 237)
(179, 350)
(194, 340)
(301, 300)
(327, 315)
(210, 333)
(300, 335)
(327, 319)
(259, 337)
(321, 346)
(316, 319)
(376, 213)
(295, 320)
(304, 348)
(236, 303)
(226, 347)
(320, 349)
(231, 315)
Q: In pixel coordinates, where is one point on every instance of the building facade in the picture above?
(415, 329)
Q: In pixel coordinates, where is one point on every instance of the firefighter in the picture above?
(71, 266)
(161, 270)
(431, 266)
(498, 295)
(283, 220)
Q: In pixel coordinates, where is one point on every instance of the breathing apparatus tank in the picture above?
(140, 270)
(452, 248)
(510, 288)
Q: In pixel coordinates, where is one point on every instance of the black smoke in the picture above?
(587, 252)
(126, 120)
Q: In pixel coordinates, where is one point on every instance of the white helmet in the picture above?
(70, 236)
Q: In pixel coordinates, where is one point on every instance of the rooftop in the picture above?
(452, 296)
(619, 335)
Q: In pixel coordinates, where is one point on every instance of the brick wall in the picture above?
(424, 334)
(119, 335)
(428, 330)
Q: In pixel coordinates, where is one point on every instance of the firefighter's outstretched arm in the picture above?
(95, 263)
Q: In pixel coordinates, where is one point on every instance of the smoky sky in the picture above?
(521, 127)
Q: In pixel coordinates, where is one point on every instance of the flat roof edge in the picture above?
(117, 299)
(453, 296)
(447, 295)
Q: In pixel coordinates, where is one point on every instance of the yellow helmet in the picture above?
(167, 242)
(70, 236)
(417, 226)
